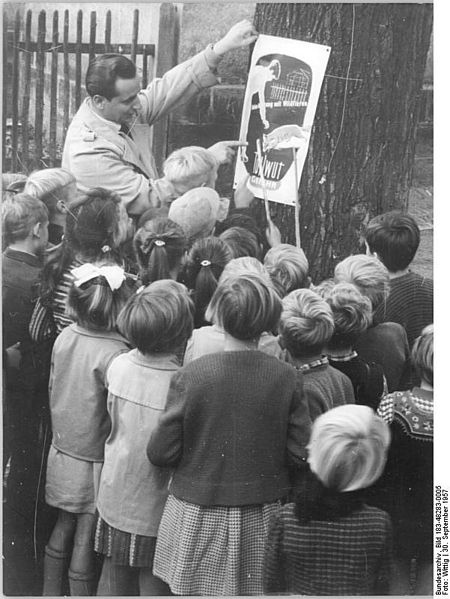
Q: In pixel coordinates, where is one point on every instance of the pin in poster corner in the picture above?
(280, 102)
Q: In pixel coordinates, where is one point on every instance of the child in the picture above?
(81, 356)
(197, 212)
(385, 343)
(329, 542)
(187, 168)
(288, 268)
(132, 494)
(352, 313)
(394, 238)
(407, 484)
(204, 264)
(97, 226)
(211, 339)
(306, 326)
(241, 242)
(57, 188)
(233, 420)
(159, 247)
(25, 231)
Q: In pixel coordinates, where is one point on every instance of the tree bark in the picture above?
(361, 151)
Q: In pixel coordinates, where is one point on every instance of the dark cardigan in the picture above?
(234, 422)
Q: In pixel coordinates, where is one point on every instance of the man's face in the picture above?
(125, 105)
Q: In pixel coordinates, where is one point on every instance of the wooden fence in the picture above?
(31, 141)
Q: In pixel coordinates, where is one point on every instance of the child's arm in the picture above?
(299, 426)
(274, 579)
(166, 443)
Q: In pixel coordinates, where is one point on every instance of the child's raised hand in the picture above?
(273, 234)
(242, 195)
(242, 34)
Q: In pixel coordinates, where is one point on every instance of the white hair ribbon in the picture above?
(114, 275)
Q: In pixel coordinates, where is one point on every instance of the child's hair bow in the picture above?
(114, 275)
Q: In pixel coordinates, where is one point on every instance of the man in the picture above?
(108, 143)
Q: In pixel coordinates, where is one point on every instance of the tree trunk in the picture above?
(361, 151)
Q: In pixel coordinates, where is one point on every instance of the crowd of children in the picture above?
(203, 418)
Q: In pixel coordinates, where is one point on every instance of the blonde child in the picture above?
(231, 445)
(352, 313)
(306, 326)
(288, 268)
(189, 167)
(132, 493)
(385, 343)
(56, 188)
(80, 422)
(407, 484)
(329, 542)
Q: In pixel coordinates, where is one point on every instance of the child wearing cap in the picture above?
(329, 542)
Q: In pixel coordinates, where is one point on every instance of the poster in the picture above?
(280, 102)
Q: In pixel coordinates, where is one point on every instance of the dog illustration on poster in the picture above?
(281, 90)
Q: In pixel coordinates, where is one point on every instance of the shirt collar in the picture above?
(29, 259)
(111, 124)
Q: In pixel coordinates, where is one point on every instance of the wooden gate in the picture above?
(32, 141)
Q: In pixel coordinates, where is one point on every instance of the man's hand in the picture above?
(242, 195)
(240, 35)
(223, 151)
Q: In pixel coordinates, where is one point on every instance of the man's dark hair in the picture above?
(395, 237)
(104, 70)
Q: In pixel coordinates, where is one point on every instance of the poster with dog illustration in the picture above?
(280, 101)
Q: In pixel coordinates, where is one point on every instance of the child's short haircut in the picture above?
(159, 318)
(205, 263)
(12, 183)
(348, 447)
(239, 267)
(20, 213)
(50, 186)
(238, 219)
(352, 313)
(422, 354)
(245, 307)
(368, 274)
(395, 237)
(159, 246)
(287, 266)
(306, 323)
(190, 167)
(94, 305)
(241, 242)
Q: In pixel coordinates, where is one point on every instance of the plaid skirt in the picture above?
(124, 548)
(212, 550)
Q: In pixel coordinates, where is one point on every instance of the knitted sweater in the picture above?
(231, 422)
(325, 388)
(347, 556)
(410, 303)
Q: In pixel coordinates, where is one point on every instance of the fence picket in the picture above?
(92, 35)
(53, 90)
(5, 73)
(78, 59)
(39, 113)
(15, 95)
(108, 32)
(66, 74)
(134, 38)
(26, 91)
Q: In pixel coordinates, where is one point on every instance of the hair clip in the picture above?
(160, 242)
(140, 289)
(205, 263)
(106, 248)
